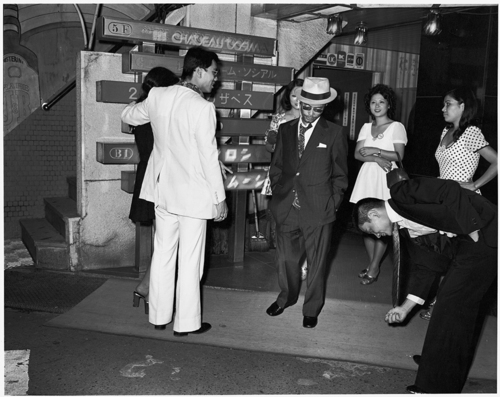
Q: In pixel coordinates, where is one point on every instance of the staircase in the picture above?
(52, 241)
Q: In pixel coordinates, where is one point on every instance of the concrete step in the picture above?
(46, 246)
(61, 214)
(71, 180)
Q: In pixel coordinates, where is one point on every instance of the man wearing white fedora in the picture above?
(308, 178)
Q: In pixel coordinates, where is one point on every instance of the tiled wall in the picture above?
(38, 157)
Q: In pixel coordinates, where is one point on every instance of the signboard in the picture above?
(233, 99)
(128, 181)
(341, 58)
(133, 62)
(242, 127)
(331, 59)
(130, 31)
(251, 180)
(230, 127)
(237, 181)
(359, 61)
(117, 91)
(244, 154)
(21, 90)
(117, 153)
(349, 61)
(125, 92)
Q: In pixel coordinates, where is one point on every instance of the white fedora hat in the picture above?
(316, 91)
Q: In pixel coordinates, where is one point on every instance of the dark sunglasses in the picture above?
(307, 107)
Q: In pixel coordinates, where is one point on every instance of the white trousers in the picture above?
(182, 238)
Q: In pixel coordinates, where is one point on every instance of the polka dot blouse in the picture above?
(459, 161)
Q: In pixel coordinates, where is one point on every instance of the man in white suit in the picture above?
(183, 179)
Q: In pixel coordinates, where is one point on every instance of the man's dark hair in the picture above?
(361, 209)
(197, 57)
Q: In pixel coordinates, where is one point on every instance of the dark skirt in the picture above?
(141, 210)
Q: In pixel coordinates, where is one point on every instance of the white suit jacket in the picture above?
(183, 174)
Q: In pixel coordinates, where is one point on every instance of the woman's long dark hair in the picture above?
(388, 94)
(468, 98)
(157, 77)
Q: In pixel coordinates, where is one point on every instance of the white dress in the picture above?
(372, 180)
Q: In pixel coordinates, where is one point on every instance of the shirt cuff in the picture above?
(416, 299)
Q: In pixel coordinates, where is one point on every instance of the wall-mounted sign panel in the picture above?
(251, 180)
(230, 127)
(133, 62)
(244, 154)
(128, 181)
(242, 127)
(129, 31)
(117, 153)
(117, 91)
(233, 99)
(125, 92)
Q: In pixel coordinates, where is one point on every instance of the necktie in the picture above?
(396, 275)
(302, 141)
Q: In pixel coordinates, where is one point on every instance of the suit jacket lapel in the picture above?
(294, 141)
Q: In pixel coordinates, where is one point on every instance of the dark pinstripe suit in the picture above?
(320, 178)
(469, 268)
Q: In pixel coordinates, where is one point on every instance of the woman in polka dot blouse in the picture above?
(462, 145)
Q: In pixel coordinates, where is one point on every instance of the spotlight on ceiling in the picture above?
(334, 26)
(432, 26)
(360, 37)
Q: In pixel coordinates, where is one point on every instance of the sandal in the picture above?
(367, 280)
(363, 273)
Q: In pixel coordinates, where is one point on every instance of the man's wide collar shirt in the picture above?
(308, 132)
(191, 86)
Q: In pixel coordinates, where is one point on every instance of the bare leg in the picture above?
(375, 247)
(303, 270)
(143, 286)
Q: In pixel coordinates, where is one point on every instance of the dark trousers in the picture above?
(293, 238)
(449, 344)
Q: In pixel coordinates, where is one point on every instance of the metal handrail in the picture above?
(47, 105)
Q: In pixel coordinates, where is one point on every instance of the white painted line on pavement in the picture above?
(16, 372)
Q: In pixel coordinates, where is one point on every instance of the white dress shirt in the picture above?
(415, 230)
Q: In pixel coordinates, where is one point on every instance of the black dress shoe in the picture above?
(310, 322)
(161, 326)
(414, 389)
(204, 328)
(416, 358)
(274, 310)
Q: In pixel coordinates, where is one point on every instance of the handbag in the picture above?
(398, 174)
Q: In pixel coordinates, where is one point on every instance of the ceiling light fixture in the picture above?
(360, 34)
(334, 26)
(432, 26)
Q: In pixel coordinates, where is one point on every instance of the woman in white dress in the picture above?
(377, 147)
